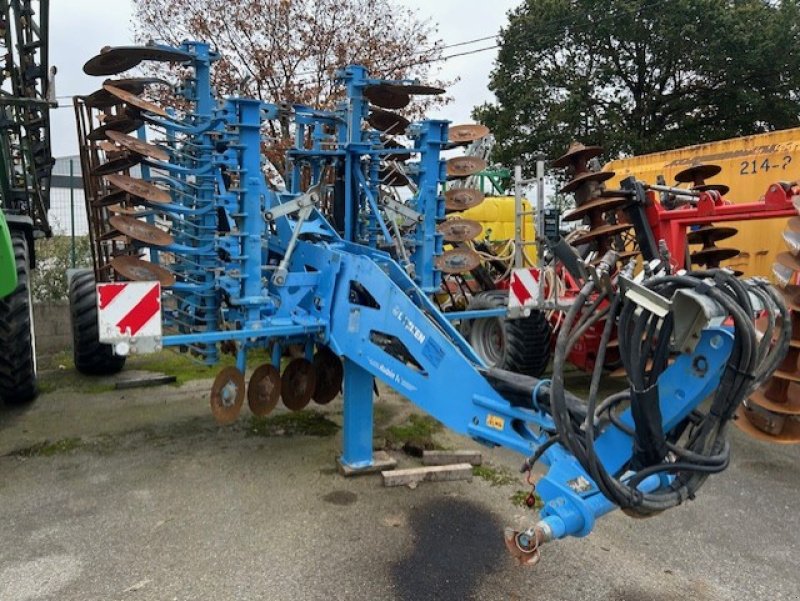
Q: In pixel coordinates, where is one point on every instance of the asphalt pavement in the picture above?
(138, 495)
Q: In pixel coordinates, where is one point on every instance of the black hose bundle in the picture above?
(696, 447)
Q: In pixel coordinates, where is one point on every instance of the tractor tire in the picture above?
(520, 345)
(90, 355)
(17, 341)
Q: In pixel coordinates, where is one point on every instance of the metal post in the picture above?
(539, 225)
(357, 435)
(72, 210)
(518, 217)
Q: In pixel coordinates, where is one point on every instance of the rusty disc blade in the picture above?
(329, 375)
(791, 295)
(392, 177)
(298, 383)
(264, 390)
(697, 174)
(598, 232)
(109, 62)
(790, 404)
(577, 152)
(459, 230)
(465, 166)
(457, 260)
(387, 121)
(585, 177)
(134, 100)
(135, 269)
(721, 188)
(708, 234)
(386, 96)
(122, 163)
(467, 133)
(751, 424)
(138, 146)
(140, 230)
(115, 60)
(102, 98)
(713, 255)
(418, 89)
(788, 260)
(461, 199)
(139, 187)
(227, 395)
(112, 198)
(122, 124)
(600, 205)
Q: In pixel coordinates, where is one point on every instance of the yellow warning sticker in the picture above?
(493, 421)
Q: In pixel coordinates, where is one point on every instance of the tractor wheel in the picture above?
(91, 356)
(17, 342)
(519, 345)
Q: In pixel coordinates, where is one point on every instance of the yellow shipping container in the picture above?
(749, 165)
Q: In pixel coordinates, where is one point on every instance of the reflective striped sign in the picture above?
(524, 289)
(128, 310)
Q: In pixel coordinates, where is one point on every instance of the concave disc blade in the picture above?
(137, 270)
(297, 384)
(329, 375)
(264, 390)
(227, 395)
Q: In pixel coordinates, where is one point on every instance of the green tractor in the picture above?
(26, 164)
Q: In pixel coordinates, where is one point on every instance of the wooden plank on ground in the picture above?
(142, 382)
(451, 457)
(435, 473)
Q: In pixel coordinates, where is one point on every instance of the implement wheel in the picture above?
(91, 356)
(520, 345)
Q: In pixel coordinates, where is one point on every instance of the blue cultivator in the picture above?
(245, 264)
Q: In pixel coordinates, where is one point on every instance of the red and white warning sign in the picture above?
(129, 316)
(524, 289)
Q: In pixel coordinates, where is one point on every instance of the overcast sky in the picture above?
(79, 28)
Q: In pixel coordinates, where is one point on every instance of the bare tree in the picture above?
(289, 50)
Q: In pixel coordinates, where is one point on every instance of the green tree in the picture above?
(639, 76)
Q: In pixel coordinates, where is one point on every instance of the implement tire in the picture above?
(520, 345)
(90, 355)
(17, 341)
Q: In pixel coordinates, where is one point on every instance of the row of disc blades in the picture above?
(302, 381)
(384, 98)
(120, 199)
(596, 206)
(772, 413)
(709, 255)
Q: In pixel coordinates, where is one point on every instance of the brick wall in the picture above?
(53, 333)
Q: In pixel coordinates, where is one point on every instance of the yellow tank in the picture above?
(496, 215)
(749, 165)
